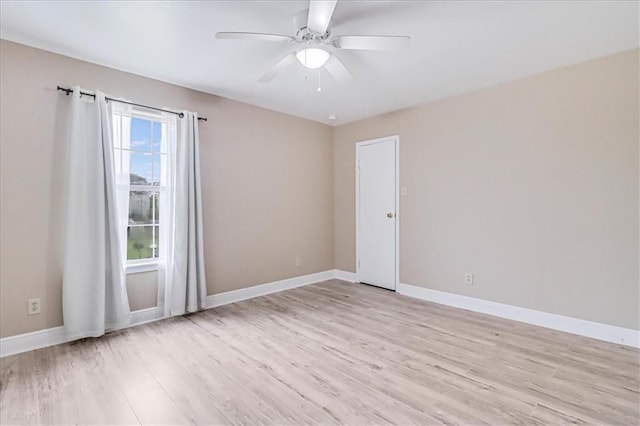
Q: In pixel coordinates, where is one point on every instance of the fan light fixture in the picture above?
(313, 58)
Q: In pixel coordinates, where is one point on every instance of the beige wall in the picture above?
(532, 186)
(142, 290)
(267, 185)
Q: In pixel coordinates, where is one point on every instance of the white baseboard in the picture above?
(594, 330)
(344, 275)
(54, 336)
(29, 341)
(264, 289)
(144, 316)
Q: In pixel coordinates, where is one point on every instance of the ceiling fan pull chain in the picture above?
(319, 86)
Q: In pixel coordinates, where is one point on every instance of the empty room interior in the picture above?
(319, 212)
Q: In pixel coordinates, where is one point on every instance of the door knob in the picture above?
(390, 215)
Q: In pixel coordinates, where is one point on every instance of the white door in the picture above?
(376, 212)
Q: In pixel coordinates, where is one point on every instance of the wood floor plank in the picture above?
(329, 353)
(154, 407)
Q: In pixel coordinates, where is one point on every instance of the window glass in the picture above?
(140, 243)
(156, 168)
(141, 134)
(145, 169)
(157, 136)
(141, 208)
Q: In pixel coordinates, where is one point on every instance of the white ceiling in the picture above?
(456, 46)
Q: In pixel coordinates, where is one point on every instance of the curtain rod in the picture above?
(179, 114)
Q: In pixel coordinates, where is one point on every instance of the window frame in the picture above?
(135, 266)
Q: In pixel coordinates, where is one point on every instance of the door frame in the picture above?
(396, 139)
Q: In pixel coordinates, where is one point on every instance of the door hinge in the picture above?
(358, 264)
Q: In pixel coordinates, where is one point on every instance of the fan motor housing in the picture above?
(305, 34)
(308, 36)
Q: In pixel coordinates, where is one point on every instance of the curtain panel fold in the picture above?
(94, 292)
(185, 281)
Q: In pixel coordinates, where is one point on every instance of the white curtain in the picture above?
(94, 292)
(121, 131)
(183, 273)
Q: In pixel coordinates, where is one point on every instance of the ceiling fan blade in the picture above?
(282, 64)
(337, 70)
(253, 36)
(320, 13)
(372, 42)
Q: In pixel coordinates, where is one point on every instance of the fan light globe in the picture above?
(313, 58)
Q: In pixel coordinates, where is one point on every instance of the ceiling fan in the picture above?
(314, 43)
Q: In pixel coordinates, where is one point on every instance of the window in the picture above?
(140, 157)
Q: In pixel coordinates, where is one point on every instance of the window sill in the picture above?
(137, 268)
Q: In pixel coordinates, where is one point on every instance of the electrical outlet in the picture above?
(298, 261)
(468, 279)
(33, 306)
(403, 191)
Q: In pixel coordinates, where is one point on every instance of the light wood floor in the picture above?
(327, 353)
